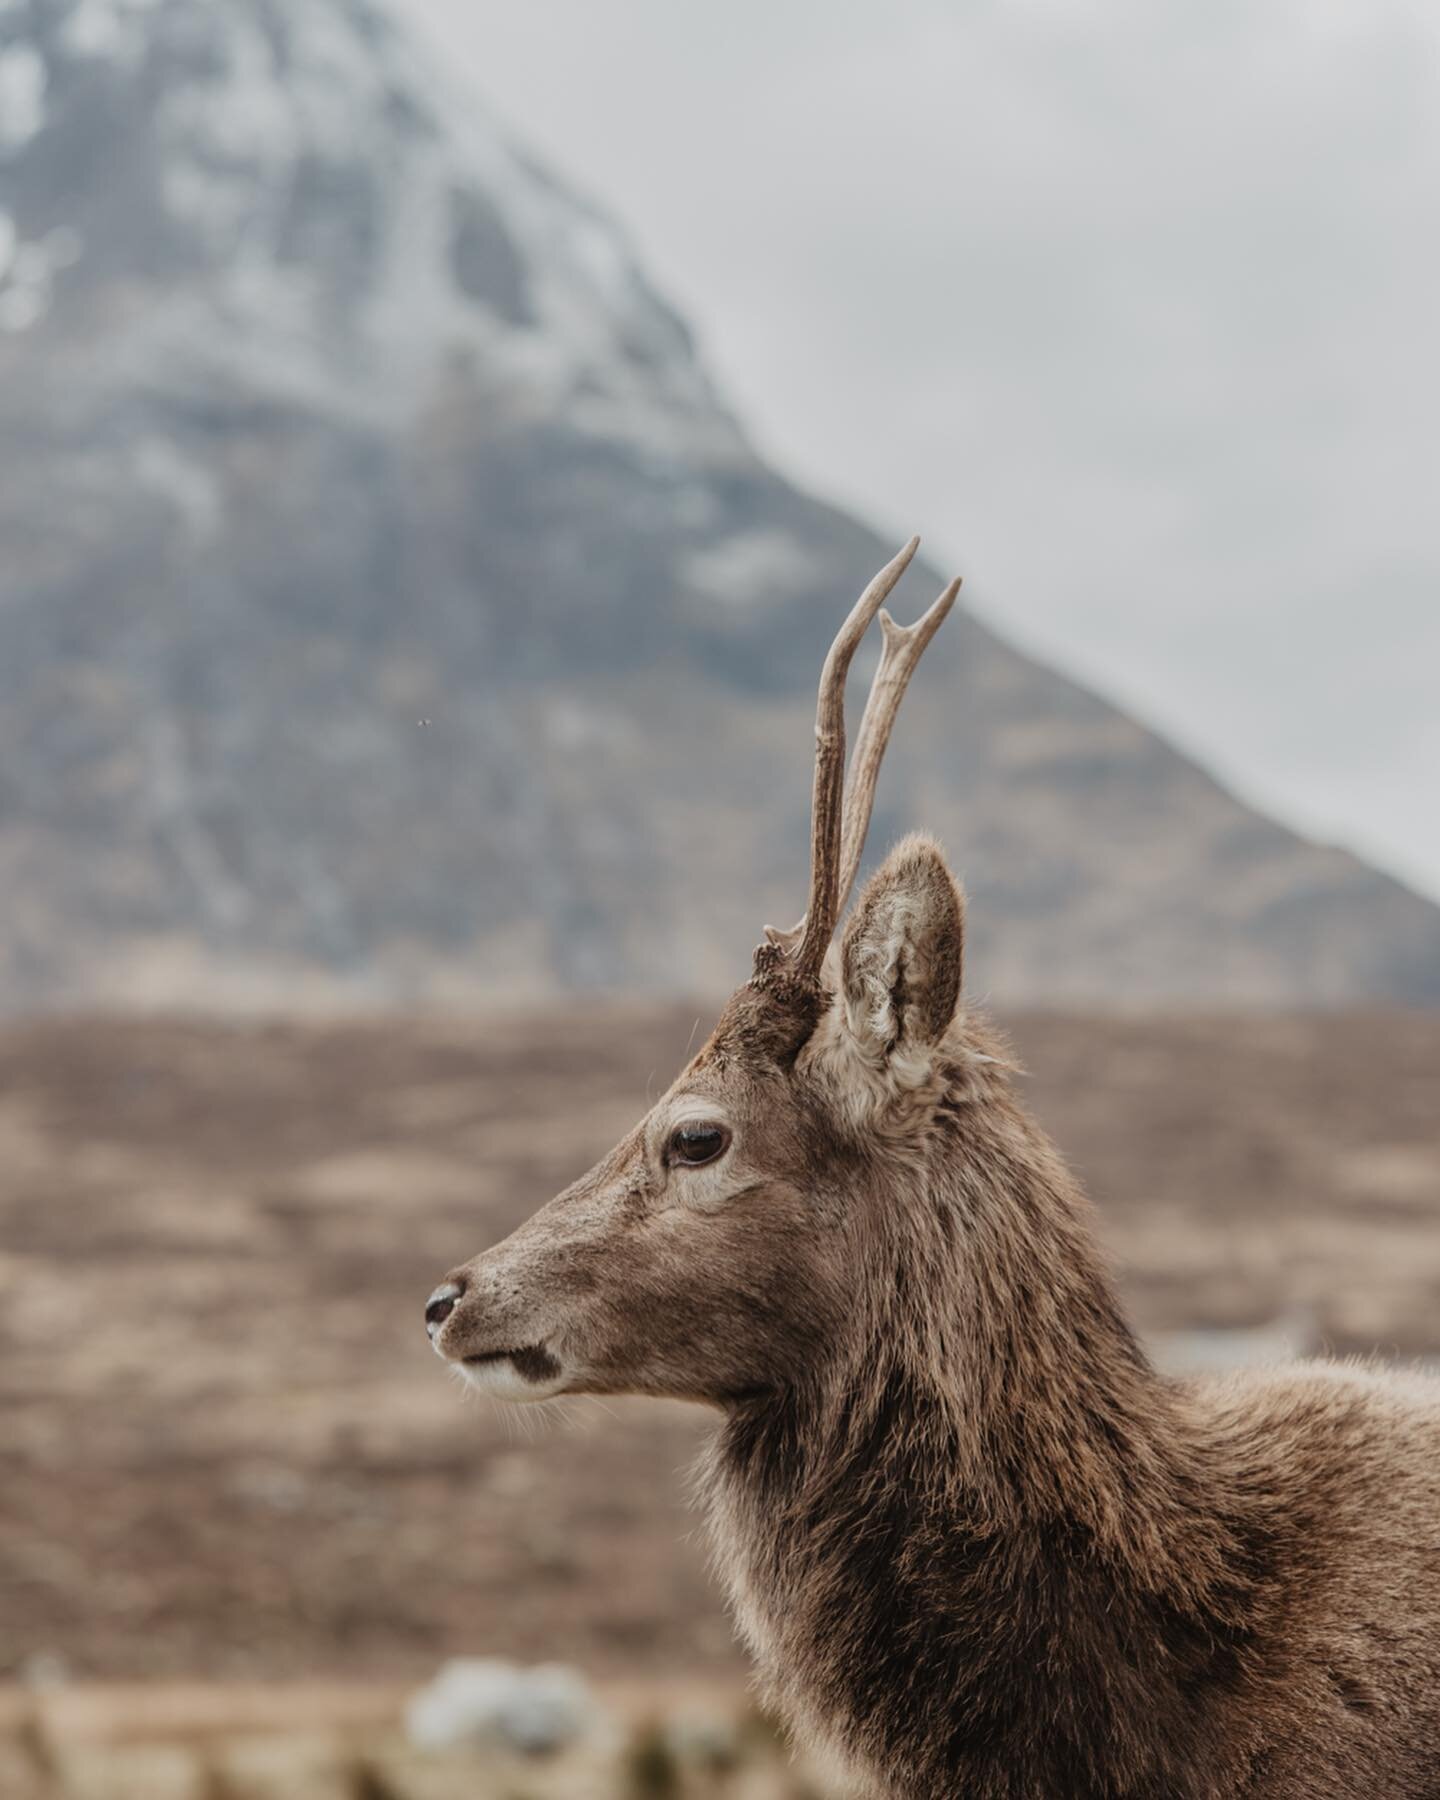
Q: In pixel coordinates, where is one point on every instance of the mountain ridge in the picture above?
(394, 613)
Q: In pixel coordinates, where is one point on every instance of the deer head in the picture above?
(711, 1255)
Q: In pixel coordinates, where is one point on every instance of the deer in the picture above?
(976, 1543)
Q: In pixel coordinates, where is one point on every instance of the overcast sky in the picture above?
(1132, 309)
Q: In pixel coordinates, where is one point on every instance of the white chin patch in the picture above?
(498, 1377)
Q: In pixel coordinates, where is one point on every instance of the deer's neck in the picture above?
(983, 1549)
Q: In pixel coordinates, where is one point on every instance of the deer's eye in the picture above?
(700, 1142)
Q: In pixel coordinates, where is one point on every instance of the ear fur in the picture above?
(900, 966)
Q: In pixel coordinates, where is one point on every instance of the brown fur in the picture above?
(973, 1539)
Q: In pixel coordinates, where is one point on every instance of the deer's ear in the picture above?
(900, 963)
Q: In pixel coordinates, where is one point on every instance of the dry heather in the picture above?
(225, 1448)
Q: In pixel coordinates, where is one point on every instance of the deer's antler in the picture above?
(839, 819)
(903, 647)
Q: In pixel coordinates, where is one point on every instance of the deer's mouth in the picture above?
(531, 1362)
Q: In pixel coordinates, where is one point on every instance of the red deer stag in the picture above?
(974, 1540)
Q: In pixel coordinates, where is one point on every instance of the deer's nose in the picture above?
(441, 1304)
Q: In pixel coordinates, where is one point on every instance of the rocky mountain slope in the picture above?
(391, 610)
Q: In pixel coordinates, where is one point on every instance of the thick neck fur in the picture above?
(984, 1548)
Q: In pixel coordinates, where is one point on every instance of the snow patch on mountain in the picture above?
(22, 95)
(28, 272)
(107, 28)
(189, 489)
(751, 568)
(358, 213)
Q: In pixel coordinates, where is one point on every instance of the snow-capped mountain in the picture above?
(390, 608)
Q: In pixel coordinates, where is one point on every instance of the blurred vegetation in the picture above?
(99, 1744)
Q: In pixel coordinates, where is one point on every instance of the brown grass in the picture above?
(225, 1449)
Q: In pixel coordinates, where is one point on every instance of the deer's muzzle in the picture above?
(507, 1369)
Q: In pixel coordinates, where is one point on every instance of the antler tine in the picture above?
(808, 941)
(904, 646)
